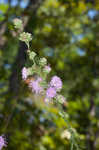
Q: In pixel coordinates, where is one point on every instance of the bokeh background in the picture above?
(66, 32)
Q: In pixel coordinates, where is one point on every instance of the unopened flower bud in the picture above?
(18, 23)
(47, 69)
(25, 37)
(32, 55)
(66, 134)
(61, 99)
(43, 61)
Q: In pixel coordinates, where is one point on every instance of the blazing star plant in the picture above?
(37, 75)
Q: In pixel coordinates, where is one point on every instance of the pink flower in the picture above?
(51, 92)
(56, 83)
(24, 73)
(2, 142)
(35, 86)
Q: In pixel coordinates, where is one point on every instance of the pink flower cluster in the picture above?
(35, 85)
(51, 92)
(24, 73)
(3, 143)
(55, 85)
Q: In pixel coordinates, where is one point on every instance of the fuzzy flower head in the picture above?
(35, 86)
(56, 83)
(24, 73)
(47, 69)
(51, 92)
(2, 142)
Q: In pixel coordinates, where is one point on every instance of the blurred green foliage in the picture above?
(66, 32)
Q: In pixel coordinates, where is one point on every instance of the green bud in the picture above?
(30, 71)
(61, 114)
(66, 134)
(60, 99)
(43, 61)
(17, 23)
(32, 55)
(43, 84)
(25, 37)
